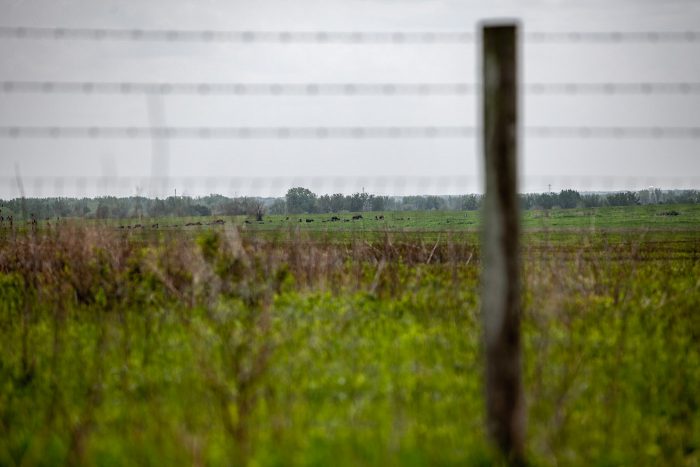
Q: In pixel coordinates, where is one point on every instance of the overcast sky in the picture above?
(262, 167)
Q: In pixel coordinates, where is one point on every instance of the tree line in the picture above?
(300, 200)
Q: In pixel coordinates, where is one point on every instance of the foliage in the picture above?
(300, 200)
(305, 201)
(626, 198)
(234, 349)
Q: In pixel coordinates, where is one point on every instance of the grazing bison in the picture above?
(357, 217)
(335, 219)
(309, 220)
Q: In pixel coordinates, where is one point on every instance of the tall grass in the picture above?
(226, 348)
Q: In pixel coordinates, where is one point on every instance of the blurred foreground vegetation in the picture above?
(221, 347)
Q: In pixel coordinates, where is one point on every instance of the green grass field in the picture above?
(647, 217)
(345, 343)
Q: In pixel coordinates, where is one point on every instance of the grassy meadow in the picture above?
(623, 217)
(345, 343)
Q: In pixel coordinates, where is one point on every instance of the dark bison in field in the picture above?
(357, 217)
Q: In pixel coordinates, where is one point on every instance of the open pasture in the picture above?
(665, 217)
(345, 343)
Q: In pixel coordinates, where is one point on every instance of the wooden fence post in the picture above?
(500, 279)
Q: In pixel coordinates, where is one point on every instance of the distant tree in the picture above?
(102, 210)
(80, 208)
(278, 206)
(200, 210)
(684, 197)
(323, 204)
(258, 210)
(592, 201)
(378, 203)
(470, 202)
(358, 202)
(338, 202)
(300, 200)
(157, 208)
(623, 198)
(569, 199)
(545, 200)
(61, 208)
(433, 203)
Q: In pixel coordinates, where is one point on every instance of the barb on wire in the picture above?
(336, 37)
(331, 89)
(237, 132)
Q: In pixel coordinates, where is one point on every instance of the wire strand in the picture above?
(335, 37)
(391, 132)
(601, 132)
(282, 37)
(333, 89)
(217, 89)
(75, 132)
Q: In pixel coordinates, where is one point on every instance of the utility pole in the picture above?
(500, 294)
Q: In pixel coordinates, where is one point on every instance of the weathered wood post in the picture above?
(500, 278)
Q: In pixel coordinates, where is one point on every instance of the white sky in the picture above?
(269, 167)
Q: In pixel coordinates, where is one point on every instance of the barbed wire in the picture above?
(653, 37)
(331, 89)
(612, 88)
(321, 132)
(204, 89)
(613, 132)
(393, 132)
(283, 37)
(335, 37)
